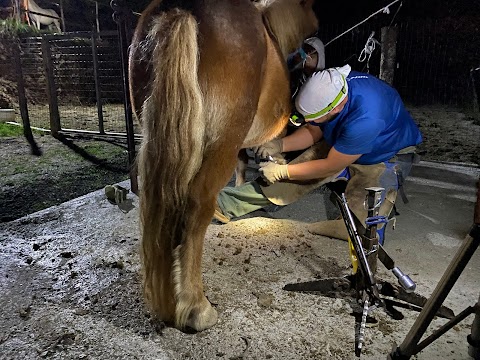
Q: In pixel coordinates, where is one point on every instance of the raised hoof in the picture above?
(219, 216)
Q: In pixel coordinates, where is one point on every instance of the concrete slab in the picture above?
(70, 287)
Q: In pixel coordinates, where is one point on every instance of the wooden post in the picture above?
(17, 8)
(22, 100)
(51, 88)
(96, 75)
(388, 57)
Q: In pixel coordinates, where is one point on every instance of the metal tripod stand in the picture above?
(370, 293)
(411, 346)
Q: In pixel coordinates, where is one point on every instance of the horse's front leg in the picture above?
(241, 169)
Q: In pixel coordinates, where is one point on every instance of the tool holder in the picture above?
(370, 293)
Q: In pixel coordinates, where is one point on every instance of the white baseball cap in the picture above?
(322, 92)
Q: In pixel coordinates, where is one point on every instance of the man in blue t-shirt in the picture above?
(357, 129)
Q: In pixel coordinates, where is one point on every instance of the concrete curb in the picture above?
(445, 175)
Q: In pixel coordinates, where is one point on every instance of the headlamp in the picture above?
(297, 119)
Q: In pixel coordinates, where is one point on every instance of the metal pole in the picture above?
(62, 16)
(98, 91)
(474, 337)
(370, 240)
(120, 14)
(410, 345)
(96, 16)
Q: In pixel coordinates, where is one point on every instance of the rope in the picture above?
(368, 48)
(383, 9)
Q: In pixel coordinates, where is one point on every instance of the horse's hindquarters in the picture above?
(196, 92)
(205, 76)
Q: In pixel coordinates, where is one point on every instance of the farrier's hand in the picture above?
(272, 172)
(272, 148)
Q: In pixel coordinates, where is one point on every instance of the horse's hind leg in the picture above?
(192, 307)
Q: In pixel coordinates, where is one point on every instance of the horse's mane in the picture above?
(285, 19)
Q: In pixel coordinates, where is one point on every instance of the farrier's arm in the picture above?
(319, 169)
(301, 139)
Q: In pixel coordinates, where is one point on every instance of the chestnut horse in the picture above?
(208, 77)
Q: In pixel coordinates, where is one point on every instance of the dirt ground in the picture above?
(69, 275)
(65, 171)
(70, 286)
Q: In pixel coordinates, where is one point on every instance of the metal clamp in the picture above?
(375, 220)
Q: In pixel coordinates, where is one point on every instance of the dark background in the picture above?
(438, 42)
(80, 14)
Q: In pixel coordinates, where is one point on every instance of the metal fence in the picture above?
(434, 58)
(433, 67)
(72, 81)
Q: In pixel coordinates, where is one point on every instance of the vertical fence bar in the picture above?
(51, 88)
(17, 10)
(120, 16)
(22, 99)
(62, 16)
(96, 75)
(475, 107)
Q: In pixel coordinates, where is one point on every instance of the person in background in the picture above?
(304, 62)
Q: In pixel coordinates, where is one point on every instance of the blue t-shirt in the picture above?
(374, 122)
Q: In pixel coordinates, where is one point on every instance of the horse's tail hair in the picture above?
(171, 154)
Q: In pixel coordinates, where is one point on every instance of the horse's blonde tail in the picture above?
(171, 153)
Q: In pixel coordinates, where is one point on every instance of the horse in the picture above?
(35, 13)
(207, 78)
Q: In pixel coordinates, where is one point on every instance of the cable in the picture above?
(394, 16)
(383, 9)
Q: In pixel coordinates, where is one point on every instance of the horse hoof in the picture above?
(203, 319)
